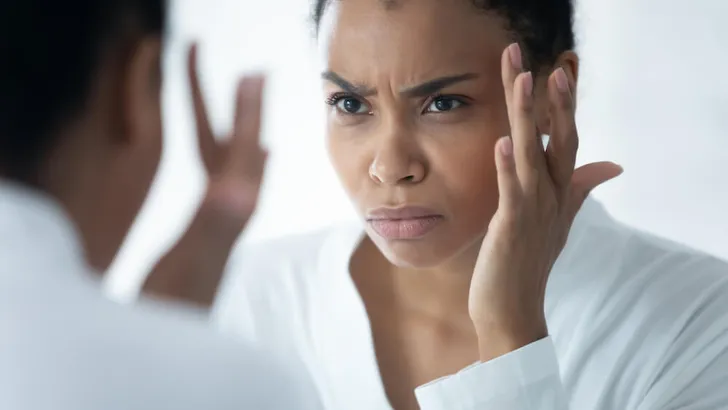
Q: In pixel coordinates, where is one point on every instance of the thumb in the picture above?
(586, 178)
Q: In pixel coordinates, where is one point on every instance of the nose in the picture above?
(397, 162)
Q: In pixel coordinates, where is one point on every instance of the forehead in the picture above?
(418, 37)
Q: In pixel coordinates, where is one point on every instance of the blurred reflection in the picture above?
(80, 141)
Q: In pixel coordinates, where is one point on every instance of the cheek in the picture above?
(348, 158)
(463, 164)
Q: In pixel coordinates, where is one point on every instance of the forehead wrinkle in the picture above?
(405, 49)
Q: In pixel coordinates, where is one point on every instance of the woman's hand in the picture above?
(235, 166)
(540, 194)
(193, 269)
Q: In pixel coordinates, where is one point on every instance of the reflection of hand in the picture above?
(540, 194)
(234, 167)
(192, 270)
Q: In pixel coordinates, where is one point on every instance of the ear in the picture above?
(141, 91)
(569, 61)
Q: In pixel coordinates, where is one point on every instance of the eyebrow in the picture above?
(433, 86)
(420, 90)
(347, 86)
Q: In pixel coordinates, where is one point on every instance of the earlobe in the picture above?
(569, 60)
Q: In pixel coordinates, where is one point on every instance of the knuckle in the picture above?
(548, 204)
(550, 208)
(525, 105)
(505, 221)
(531, 182)
(565, 103)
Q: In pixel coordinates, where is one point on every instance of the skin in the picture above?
(106, 159)
(472, 288)
(192, 270)
(430, 315)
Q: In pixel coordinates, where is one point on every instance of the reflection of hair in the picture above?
(543, 27)
(51, 50)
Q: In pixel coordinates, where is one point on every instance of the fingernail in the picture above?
(506, 146)
(562, 83)
(527, 84)
(514, 50)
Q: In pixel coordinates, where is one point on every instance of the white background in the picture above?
(653, 96)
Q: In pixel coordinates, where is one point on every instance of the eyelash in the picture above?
(335, 98)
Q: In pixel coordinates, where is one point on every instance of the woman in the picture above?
(463, 228)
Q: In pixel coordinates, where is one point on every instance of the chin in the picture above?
(422, 253)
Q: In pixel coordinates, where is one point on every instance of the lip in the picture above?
(403, 223)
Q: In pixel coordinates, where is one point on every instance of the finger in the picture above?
(527, 145)
(588, 177)
(246, 154)
(511, 66)
(205, 137)
(518, 86)
(509, 187)
(564, 139)
(238, 195)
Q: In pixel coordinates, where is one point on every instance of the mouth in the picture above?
(403, 223)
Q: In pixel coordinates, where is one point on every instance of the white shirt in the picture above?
(636, 323)
(63, 346)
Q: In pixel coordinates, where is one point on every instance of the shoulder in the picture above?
(272, 285)
(191, 365)
(146, 356)
(604, 250)
(202, 368)
(655, 308)
(645, 275)
(633, 257)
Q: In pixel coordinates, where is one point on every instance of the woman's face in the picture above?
(417, 104)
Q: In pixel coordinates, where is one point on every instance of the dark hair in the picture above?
(544, 28)
(51, 51)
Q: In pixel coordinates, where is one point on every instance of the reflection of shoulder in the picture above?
(656, 308)
(623, 268)
(647, 264)
(678, 291)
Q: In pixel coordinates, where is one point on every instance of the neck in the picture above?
(440, 292)
(74, 175)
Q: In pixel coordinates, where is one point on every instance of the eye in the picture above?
(348, 104)
(442, 104)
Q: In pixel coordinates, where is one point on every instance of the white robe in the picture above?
(636, 323)
(63, 346)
